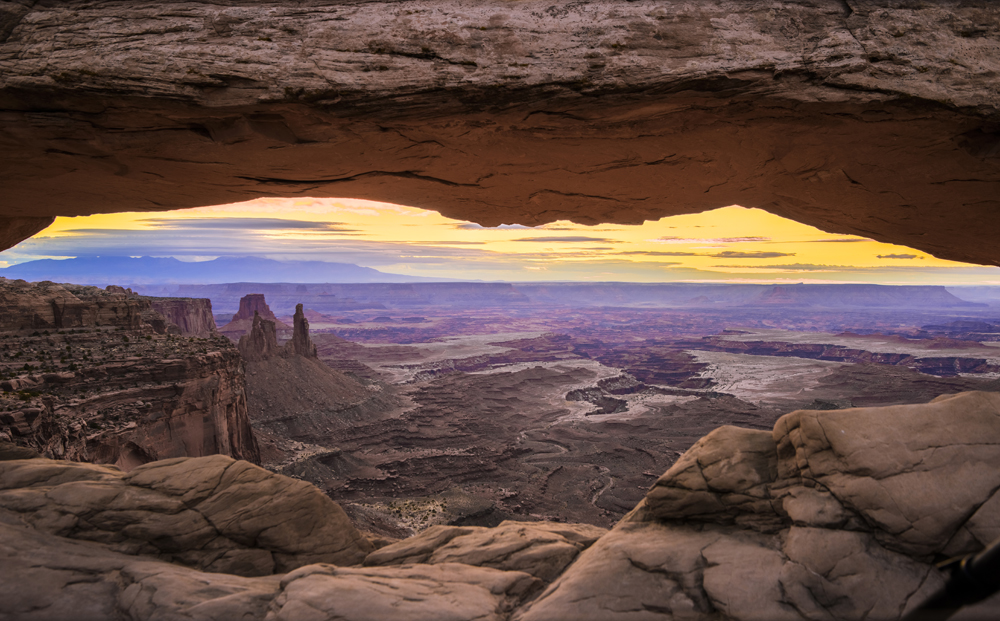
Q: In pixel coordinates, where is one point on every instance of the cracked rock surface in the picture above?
(213, 513)
(835, 515)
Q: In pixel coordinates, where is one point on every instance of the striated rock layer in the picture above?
(193, 317)
(833, 515)
(47, 305)
(116, 390)
(869, 117)
(251, 305)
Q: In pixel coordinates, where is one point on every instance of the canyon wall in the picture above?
(47, 305)
(870, 117)
(192, 316)
(122, 395)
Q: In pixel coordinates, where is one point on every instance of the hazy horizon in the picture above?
(730, 244)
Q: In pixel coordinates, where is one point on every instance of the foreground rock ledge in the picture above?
(835, 515)
(865, 117)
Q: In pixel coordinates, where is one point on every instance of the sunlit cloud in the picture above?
(713, 240)
(472, 226)
(259, 224)
(568, 238)
(658, 253)
(756, 254)
(416, 242)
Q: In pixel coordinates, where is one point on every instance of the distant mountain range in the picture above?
(151, 270)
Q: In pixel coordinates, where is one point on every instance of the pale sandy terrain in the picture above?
(764, 378)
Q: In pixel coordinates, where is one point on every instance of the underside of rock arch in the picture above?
(875, 118)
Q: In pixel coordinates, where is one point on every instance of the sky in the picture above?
(731, 244)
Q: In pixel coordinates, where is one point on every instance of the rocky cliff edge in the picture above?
(833, 515)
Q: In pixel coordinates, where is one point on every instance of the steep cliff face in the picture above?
(122, 396)
(192, 316)
(862, 116)
(51, 306)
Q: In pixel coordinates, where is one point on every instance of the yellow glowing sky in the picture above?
(732, 243)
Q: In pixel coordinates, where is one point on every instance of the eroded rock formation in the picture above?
(212, 513)
(251, 305)
(297, 403)
(834, 515)
(193, 317)
(51, 306)
(300, 345)
(864, 116)
(97, 380)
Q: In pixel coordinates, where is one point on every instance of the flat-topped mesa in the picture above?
(50, 306)
(261, 341)
(242, 321)
(301, 344)
(252, 304)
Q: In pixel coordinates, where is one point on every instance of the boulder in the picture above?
(213, 513)
(49, 578)
(542, 549)
(836, 515)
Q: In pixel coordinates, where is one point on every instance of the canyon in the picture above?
(867, 117)
(99, 376)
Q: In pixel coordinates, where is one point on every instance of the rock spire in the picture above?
(261, 341)
(301, 344)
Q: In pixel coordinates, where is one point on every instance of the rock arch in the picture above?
(869, 117)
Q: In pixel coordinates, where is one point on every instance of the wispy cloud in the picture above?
(798, 267)
(706, 240)
(658, 253)
(898, 256)
(259, 224)
(735, 254)
(568, 238)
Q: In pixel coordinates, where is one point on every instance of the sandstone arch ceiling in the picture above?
(875, 118)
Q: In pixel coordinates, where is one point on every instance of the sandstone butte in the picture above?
(869, 117)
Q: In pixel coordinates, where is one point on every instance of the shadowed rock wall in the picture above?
(869, 117)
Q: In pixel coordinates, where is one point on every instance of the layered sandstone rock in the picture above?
(51, 306)
(542, 549)
(193, 317)
(863, 116)
(97, 380)
(297, 404)
(300, 345)
(835, 515)
(250, 306)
